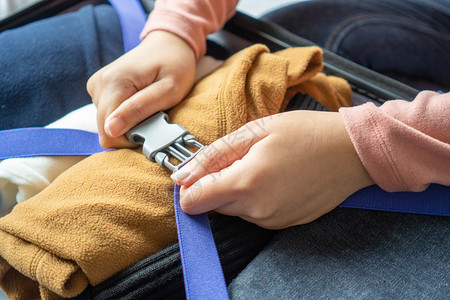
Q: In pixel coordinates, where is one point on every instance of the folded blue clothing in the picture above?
(45, 65)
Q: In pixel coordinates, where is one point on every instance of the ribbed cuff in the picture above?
(182, 27)
(371, 144)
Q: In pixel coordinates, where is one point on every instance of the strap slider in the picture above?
(161, 140)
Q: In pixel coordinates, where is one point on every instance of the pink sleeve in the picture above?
(191, 20)
(403, 145)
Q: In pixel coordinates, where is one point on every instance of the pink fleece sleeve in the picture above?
(403, 145)
(191, 20)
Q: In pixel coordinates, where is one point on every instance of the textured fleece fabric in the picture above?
(115, 208)
(22, 178)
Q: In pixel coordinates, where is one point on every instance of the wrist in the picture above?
(168, 39)
(358, 175)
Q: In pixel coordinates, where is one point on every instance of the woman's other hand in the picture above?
(276, 172)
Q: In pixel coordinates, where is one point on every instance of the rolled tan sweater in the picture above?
(115, 208)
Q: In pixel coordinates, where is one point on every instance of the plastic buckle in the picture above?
(161, 139)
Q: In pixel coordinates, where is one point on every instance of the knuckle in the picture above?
(94, 84)
(261, 213)
(109, 79)
(107, 75)
(119, 82)
(90, 85)
(253, 207)
(105, 142)
(170, 83)
(170, 86)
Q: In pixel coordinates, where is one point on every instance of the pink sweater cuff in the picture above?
(178, 25)
(403, 145)
(191, 20)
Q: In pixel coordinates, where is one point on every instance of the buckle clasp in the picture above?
(161, 139)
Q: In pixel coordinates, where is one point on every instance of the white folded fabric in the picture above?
(9, 7)
(22, 178)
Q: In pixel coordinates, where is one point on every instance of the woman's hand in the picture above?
(154, 76)
(276, 172)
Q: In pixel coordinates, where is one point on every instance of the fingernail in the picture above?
(180, 176)
(114, 126)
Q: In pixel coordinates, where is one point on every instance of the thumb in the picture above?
(153, 98)
(220, 154)
(211, 192)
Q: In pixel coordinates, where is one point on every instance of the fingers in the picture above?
(278, 178)
(137, 85)
(122, 104)
(220, 154)
(243, 189)
(211, 192)
(216, 178)
(158, 96)
(108, 91)
(234, 190)
(122, 108)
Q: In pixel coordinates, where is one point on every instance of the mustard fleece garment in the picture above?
(115, 208)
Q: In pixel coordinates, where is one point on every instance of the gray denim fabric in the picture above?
(353, 254)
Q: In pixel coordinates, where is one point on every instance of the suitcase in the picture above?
(238, 242)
